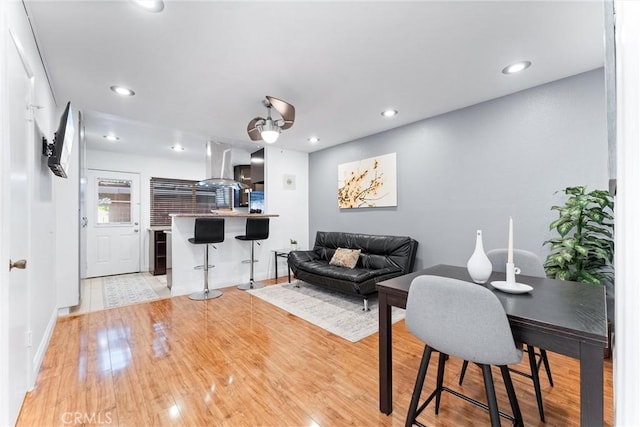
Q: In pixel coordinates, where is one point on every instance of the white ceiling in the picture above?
(200, 69)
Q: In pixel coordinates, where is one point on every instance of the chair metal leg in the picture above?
(463, 371)
(491, 396)
(545, 361)
(206, 293)
(536, 379)
(440, 379)
(417, 389)
(511, 393)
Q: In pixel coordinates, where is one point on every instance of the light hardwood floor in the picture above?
(92, 291)
(239, 361)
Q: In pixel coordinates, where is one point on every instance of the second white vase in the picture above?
(479, 265)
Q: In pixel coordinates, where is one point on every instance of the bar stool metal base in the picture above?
(250, 285)
(205, 295)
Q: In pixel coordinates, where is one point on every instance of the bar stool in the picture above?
(206, 232)
(256, 229)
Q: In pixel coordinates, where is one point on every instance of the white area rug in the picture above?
(126, 289)
(338, 313)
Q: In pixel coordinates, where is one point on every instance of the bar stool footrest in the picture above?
(201, 267)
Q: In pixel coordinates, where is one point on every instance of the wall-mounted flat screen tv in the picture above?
(62, 144)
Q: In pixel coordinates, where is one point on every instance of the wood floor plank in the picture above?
(239, 361)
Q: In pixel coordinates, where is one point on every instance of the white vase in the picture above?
(479, 265)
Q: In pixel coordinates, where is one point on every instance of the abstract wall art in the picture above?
(368, 183)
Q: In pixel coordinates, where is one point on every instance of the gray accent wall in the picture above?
(475, 167)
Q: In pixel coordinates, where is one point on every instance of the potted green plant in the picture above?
(583, 252)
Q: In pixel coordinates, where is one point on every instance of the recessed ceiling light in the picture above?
(111, 137)
(177, 147)
(121, 90)
(389, 112)
(516, 67)
(150, 5)
(314, 139)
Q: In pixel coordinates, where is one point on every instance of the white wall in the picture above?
(147, 167)
(67, 224)
(291, 204)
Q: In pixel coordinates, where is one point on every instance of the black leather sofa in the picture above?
(381, 258)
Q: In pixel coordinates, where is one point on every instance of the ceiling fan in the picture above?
(269, 129)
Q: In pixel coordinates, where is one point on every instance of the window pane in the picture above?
(114, 201)
(175, 196)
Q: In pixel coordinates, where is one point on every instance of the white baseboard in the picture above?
(42, 349)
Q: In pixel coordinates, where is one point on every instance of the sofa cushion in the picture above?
(345, 257)
(355, 275)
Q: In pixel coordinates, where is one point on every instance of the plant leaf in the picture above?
(565, 227)
(575, 190)
(586, 277)
(581, 250)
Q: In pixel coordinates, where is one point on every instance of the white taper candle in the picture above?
(510, 247)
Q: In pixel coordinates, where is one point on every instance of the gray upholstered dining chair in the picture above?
(528, 262)
(529, 265)
(461, 319)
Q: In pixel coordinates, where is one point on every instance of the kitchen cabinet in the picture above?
(242, 173)
(257, 167)
(158, 251)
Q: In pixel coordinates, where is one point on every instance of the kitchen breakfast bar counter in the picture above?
(227, 259)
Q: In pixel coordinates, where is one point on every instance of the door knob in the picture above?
(21, 264)
(135, 229)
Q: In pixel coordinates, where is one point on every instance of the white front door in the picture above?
(113, 223)
(15, 240)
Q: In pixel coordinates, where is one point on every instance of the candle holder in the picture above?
(511, 271)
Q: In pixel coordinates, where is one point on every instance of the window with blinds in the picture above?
(170, 196)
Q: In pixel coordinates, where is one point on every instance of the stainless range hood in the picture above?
(218, 168)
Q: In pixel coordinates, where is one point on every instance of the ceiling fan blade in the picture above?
(252, 129)
(286, 110)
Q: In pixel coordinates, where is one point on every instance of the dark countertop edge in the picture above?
(225, 215)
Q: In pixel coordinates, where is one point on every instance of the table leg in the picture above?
(591, 385)
(386, 380)
(276, 263)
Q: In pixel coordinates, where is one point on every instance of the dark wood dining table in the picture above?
(568, 318)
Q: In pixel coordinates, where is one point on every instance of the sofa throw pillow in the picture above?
(345, 257)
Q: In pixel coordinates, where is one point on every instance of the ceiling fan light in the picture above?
(270, 136)
(269, 131)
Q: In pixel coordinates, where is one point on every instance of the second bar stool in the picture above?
(206, 232)
(256, 229)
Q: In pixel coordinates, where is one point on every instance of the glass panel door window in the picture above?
(114, 201)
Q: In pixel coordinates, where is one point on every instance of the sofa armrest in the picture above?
(296, 257)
